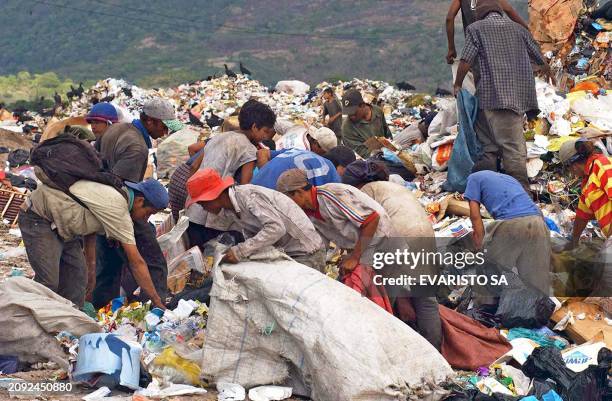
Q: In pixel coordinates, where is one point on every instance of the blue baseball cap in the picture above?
(153, 191)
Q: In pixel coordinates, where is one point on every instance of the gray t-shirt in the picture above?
(225, 153)
(331, 109)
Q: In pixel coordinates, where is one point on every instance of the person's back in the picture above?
(504, 50)
(318, 169)
(502, 195)
(124, 151)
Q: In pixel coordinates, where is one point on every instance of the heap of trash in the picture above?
(211, 337)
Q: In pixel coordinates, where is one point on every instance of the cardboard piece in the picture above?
(588, 328)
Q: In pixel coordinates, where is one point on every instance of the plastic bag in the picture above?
(174, 369)
(441, 156)
(524, 308)
(171, 243)
(181, 266)
(172, 152)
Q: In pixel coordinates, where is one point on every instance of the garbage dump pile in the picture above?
(214, 336)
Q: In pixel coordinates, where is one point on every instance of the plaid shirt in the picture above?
(503, 49)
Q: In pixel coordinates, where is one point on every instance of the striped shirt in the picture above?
(596, 198)
(340, 212)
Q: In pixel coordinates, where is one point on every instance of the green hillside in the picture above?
(165, 42)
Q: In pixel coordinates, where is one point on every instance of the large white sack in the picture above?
(173, 152)
(269, 319)
(294, 87)
(31, 315)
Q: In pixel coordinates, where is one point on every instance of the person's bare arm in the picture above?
(197, 163)
(195, 148)
(512, 14)
(366, 232)
(246, 173)
(90, 260)
(263, 157)
(477, 225)
(579, 226)
(140, 270)
(462, 71)
(450, 30)
(334, 118)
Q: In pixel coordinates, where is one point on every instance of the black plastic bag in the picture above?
(590, 384)
(485, 314)
(475, 395)
(524, 308)
(18, 157)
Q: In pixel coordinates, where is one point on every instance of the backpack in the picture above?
(66, 159)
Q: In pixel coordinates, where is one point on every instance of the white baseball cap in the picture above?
(326, 137)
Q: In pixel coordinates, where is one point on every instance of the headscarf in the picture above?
(364, 171)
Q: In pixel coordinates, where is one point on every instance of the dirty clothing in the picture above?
(111, 262)
(266, 218)
(503, 50)
(500, 133)
(125, 151)
(596, 197)
(524, 243)
(295, 137)
(225, 153)
(340, 212)
(318, 169)
(58, 264)
(501, 195)
(107, 211)
(331, 109)
(177, 189)
(354, 135)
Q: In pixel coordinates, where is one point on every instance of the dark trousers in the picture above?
(113, 270)
(59, 265)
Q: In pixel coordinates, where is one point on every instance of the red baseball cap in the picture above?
(206, 185)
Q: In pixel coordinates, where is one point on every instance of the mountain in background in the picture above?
(166, 42)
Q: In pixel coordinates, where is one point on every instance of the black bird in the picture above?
(405, 86)
(79, 91)
(443, 92)
(213, 120)
(57, 99)
(244, 70)
(72, 93)
(127, 91)
(229, 72)
(195, 120)
(108, 98)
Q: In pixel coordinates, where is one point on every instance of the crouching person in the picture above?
(264, 216)
(59, 233)
(355, 222)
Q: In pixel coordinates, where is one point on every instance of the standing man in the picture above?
(265, 217)
(364, 121)
(124, 149)
(506, 88)
(468, 15)
(333, 110)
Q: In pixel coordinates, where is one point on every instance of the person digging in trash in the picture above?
(317, 140)
(124, 148)
(265, 217)
(415, 134)
(272, 164)
(586, 161)
(519, 237)
(410, 222)
(506, 88)
(354, 222)
(333, 111)
(468, 16)
(232, 154)
(60, 234)
(364, 121)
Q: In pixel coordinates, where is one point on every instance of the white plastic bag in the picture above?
(172, 152)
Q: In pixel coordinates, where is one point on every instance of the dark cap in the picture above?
(351, 100)
(340, 156)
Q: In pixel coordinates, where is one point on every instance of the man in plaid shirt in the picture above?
(506, 89)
